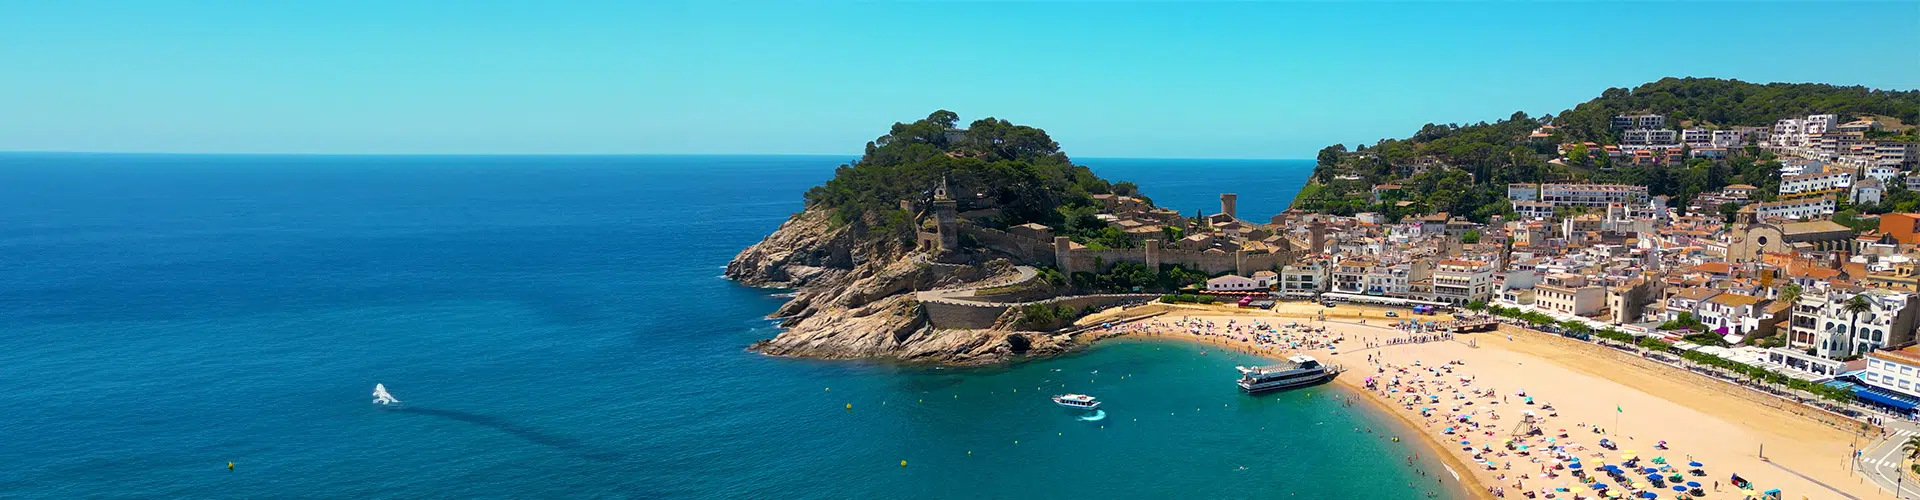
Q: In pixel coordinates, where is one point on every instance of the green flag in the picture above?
(1616, 409)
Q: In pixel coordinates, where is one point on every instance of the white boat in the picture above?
(1298, 371)
(1080, 401)
(380, 396)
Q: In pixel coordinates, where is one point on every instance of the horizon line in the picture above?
(603, 155)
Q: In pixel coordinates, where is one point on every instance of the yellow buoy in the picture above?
(969, 452)
(849, 406)
(229, 465)
(829, 389)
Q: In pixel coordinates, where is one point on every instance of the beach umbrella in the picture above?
(1678, 488)
(1693, 484)
(1649, 470)
(1463, 441)
(1599, 486)
(1649, 494)
(1574, 466)
(1695, 464)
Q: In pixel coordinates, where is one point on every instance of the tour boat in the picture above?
(1298, 371)
(1080, 401)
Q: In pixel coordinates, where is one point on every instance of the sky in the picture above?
(1188, 80)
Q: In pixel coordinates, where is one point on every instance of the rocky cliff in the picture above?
(853, 298)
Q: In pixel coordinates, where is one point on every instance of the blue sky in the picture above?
(1233, 80)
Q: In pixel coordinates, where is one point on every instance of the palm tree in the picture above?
(1854, 306)
(1791, 293)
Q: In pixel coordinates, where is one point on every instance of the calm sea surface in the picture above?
(557, 328)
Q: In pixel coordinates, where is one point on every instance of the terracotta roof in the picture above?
(1715, 268)
(1734, 299)
(1696, 293)
(1909, 355)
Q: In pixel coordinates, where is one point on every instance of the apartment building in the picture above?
(1459, 282)
(1350, 275)
(1523, 192)
(1804, 208)
(1569, 294)
(1727, 139)
(1592, 195)
(1649, 137)
(1696, 137)
(1821, 320)
(1896, 376)
(1732, 314)
(1304, 279)
(1818, 182)
(1639, 121)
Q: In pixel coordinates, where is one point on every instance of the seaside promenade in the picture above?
(1636, 406)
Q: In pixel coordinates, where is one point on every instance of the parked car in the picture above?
(1392, 314)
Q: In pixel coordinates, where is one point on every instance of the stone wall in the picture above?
(1022, 249)
(950, 313)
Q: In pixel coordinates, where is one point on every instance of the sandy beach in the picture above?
(1594, 394)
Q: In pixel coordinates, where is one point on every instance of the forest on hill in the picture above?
(992, 163)
(1464, 169)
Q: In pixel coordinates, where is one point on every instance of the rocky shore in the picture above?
(854, 298)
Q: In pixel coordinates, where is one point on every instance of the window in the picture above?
(1905, 385)
(1906, 370)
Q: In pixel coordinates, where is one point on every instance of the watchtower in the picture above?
(946, 217)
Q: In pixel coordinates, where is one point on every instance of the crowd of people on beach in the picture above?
(1261, 335)
(1498, 429)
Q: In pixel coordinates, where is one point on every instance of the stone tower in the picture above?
(1227, 202)
(946, 217)
(1316, 237)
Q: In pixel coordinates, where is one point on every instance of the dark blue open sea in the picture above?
(558, 329)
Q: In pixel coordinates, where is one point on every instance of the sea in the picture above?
(187, 326)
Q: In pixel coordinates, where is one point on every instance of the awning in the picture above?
(1885, 399)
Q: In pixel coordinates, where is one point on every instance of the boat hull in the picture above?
(1281, 385)
(1094, 406)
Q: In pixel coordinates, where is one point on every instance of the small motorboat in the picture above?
(380, 396)
(1078, 401)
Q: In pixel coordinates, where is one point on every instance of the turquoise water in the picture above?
(557, 328)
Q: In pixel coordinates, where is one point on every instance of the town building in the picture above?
(1459, 282)
(1825, 321)
(1569, 294)
(1591, 195)
(1232, 283)
(1804, 208)
(1815, 183)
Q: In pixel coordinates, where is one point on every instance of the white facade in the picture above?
(1727, 139)
(1696, 137)
(1232, 283)
(1796, 209)
(1815, 182)
(1592, 195)
(1303, 279)
(1458, 281)
(1822, 320)
(1896, 371)
(1732, 313)
(1569, 294)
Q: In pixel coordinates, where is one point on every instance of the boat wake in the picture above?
(1096, 416)
(562, 443)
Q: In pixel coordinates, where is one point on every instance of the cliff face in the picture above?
(853, 298)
